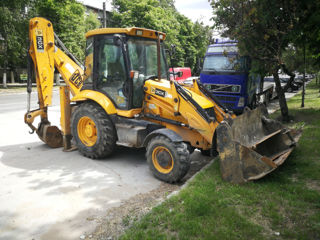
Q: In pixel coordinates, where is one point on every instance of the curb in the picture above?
(186, 184)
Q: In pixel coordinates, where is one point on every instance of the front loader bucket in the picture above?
(252, 145)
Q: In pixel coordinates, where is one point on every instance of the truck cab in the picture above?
(226, 74)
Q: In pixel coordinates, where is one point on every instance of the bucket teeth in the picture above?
(252, 145)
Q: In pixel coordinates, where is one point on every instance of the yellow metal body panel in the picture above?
(128, 113)
(71, 73)
(146, 33)
(42, 52)
(46, 56)
(98, 97)
(65, 110)
(174, 107)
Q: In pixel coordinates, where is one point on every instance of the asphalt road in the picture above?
(48, 194)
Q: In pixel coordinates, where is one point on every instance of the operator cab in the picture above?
(119, 61)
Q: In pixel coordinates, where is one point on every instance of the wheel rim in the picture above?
(87, 131)
(162, 159)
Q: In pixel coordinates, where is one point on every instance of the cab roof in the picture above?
(134, 31)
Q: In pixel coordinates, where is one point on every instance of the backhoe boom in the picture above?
(46, 56)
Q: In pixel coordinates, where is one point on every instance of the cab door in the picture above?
(110, 71)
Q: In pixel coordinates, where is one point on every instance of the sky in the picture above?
(193, 9)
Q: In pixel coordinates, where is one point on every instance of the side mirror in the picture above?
(117, 40)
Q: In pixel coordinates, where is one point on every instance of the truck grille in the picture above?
(224, 88)
(227, 99)
(229, 105)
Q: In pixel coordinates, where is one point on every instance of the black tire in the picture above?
(206, 152)
(105, 131)
(178, 161)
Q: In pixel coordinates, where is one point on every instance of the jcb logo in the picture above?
(160, 92)
(76, 79)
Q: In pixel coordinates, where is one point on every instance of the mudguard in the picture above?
(172, 135)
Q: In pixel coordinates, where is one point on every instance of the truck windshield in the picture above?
(220, 63)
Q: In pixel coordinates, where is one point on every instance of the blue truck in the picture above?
(226, 74)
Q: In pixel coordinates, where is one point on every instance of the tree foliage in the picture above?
(307, 29)
(13, 31)
(68, 18)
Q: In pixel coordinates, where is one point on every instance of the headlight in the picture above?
(241, 102)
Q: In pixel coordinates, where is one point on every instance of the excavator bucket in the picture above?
(51, 135)
(253, 145)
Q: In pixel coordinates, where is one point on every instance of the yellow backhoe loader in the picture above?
(123, 97)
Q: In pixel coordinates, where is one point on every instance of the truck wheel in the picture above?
(93, 131)
(168, 161)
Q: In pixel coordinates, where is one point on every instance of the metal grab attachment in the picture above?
(252, 145)
(50, 135)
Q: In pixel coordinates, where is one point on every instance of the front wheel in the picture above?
(168, 161)
(93, 131)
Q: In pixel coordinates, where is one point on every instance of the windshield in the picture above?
(220, 63)
(143, 58)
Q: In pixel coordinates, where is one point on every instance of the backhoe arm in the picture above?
(46, 56)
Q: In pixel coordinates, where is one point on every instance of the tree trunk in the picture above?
(291, 74)
(4, 79)
(282, 99)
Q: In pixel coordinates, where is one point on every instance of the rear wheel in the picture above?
(93, 131)
(169, 161)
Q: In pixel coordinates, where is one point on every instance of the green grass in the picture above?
(286, 201)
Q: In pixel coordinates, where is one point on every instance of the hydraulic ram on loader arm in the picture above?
(46, 56)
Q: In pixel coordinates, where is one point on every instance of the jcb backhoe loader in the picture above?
(124, 97)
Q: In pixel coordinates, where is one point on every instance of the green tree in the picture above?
(307, 30)
(91, 22)
(264, 29)
(14, 31)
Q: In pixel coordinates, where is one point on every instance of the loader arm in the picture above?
(46, 56)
